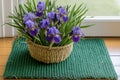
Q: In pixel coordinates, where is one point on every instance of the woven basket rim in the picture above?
(47, 47)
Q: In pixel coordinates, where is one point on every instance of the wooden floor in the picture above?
(113, 45)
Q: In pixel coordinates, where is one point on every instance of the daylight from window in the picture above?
(99, 7)
(96, 7)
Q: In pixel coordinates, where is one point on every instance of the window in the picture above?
(96, 7)
(104, 14)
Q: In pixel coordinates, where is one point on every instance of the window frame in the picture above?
(104, 26)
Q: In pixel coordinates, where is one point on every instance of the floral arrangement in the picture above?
(48, 25)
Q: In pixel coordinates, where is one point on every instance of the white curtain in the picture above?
(6, 7)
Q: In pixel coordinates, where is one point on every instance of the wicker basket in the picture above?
(46, 55)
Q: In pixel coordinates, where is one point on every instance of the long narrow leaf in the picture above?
(34, 4)
(86, 26)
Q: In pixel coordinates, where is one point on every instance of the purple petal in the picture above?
(25, 18)
(56, 31)
(57, 17)
(41, 6)
(29, 16)
(76, 30)
(57, 39)
(39, 14)
(53, 31)
(75, 38)
(34, 32)
(51, 15)
(49, 38)
(29, 24)
(50, 31)
(65, 18)
(62, 11)
(82, 34)
(44, 23)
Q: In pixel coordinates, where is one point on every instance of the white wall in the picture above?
(0, 18)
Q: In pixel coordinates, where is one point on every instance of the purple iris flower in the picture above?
(29, 24)
(53, 35)
(63, 14)
(29, 16)
(62, 11)
(39, 13)
(44, 23)
(30, 27)
(65, 18)
(76, 33)
(41, 6)
(53, 16)
(34, 31)
(53, 31)
(40, 9)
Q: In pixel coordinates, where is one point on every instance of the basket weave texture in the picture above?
(49, 55)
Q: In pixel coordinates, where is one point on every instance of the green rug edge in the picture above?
(5, 76)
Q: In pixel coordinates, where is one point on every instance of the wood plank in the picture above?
(6, 42)
(2, 70)
(5, 51)
(115, 42)
(115, 60)
(28, 79)
(113, 45)
(7, 39)
(3, 60)
(54, 79)
(1, 78)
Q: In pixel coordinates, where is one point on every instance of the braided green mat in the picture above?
(89, 59)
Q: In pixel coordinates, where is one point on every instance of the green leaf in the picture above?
(16, 11)
(75, 14)
(14, 17)
(27, 7)
(47, 3)
(34, 4)
(70, 13)
(52, 6)
(78, 8)
(12, 25)
(42, 36)
(20, 9)
(29, 4)
(25, 35)
(86, 26)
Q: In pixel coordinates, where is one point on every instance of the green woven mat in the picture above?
(89, 59)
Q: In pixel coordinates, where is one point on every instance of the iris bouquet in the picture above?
(50, 30)
(45, 23)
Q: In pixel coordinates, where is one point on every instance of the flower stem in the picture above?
(51, 44)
